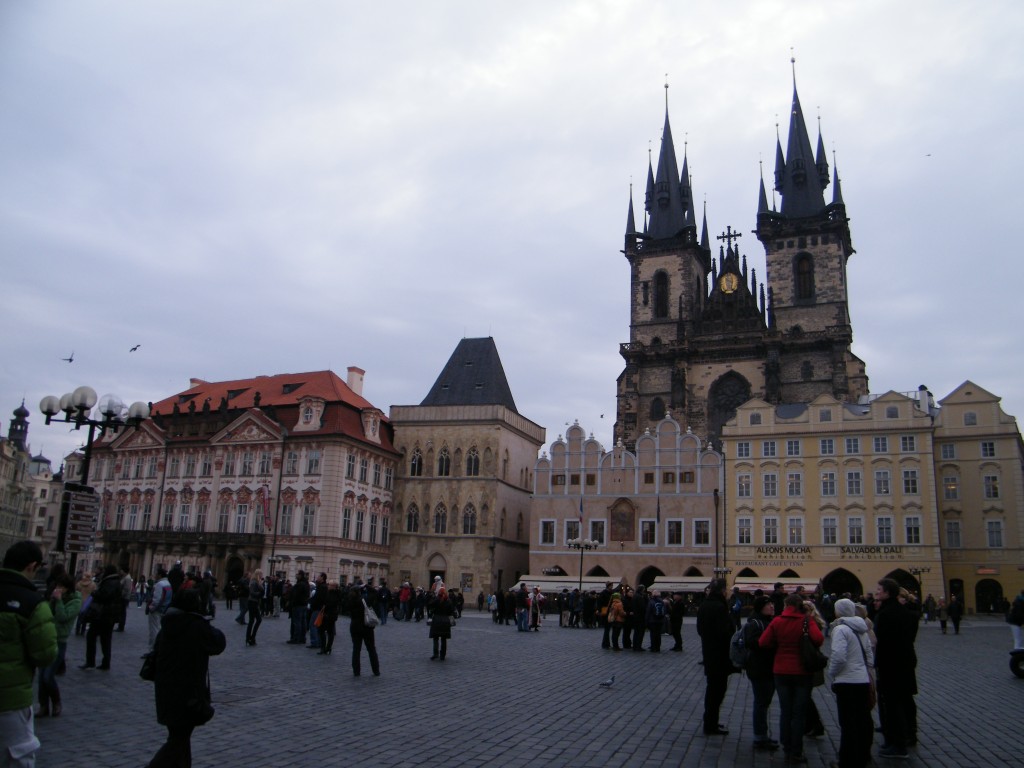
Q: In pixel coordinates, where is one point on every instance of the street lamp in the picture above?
(111, 414)
(582, 545)
(916, 573)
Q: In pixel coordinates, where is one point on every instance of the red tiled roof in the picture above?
(282, 389)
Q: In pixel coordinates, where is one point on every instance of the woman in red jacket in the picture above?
(792, 681)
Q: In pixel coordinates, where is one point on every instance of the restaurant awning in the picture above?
(681, 583)
(789, 584)
(553, 584)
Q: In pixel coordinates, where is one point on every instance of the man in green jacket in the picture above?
(28, 639)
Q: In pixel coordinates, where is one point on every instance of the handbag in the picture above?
(872, 691)
(370, 619)
(319, 620)
(811, 657)
(148, 671)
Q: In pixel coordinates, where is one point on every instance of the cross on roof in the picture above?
(729, 236)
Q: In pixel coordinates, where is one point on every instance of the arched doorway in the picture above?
(840, 582)
(648, 575)
(235, 570)
(904, 579)
(988, 596)
(747, 573)
(437, 566)
(693, 571)
(597, 570)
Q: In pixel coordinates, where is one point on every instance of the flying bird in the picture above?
(608, 683)
(135, 347)
(70, 359)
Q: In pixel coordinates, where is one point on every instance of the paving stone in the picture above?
(502, 699)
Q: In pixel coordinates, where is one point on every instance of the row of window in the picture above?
(667, 478)
(827, 446)
(829, 484)
(444, 463)
(247, 464)
(134, 517)
(440, 520)
(951, 487)
(674, 532)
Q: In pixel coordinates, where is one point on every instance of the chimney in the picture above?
(355, 379)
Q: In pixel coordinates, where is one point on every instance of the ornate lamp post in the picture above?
(111, 414)
(582, 545)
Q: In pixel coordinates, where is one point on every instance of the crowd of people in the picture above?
(870, 668)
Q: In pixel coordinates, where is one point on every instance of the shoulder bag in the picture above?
(370, 619)
(811, 656)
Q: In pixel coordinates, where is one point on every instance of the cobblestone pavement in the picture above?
(502, 698)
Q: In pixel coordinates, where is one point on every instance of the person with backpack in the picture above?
(655, 619)
(736, 608)
(758, 666)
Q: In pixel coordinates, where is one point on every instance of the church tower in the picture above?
(704, 335)
(807, 246)
(668, 285)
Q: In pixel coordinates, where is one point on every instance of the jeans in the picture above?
(314, 630)
(522, 620)
(359, 637)
(103, 628)
(794, 691)
(48, 675)
(244, 605)
(299, 624)
(382, 612)
(763, 689)
(255, 619)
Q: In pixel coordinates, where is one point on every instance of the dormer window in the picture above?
(307, 415)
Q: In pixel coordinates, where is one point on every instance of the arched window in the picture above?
(469, 519)
(412, 519)
(804, 276)
(661, 294)
(440, 519)
(657, 409)
(416, 464)
(472, 463)
(444, 463)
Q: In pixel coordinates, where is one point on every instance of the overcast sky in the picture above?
(249, 188)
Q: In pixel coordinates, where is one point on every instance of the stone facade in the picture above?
(652, 512)
(462, 503)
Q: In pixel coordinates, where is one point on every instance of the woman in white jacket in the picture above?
(849, 669)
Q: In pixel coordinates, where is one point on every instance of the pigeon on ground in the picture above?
(608, 683)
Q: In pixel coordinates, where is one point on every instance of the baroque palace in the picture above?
(746, 445)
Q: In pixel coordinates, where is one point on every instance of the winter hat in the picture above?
(845, 608)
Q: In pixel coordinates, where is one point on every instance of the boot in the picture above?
(55, 707)
(44, 703)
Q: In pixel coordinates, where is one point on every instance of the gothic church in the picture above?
(705, 335)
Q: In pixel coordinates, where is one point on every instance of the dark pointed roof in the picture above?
(473, 375)
(801, 187)
(630, 220)
(837, 190)
(668, 216)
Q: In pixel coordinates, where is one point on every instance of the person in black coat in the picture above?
(441, 624)
(360, 633)
(895, 666)
(103, 614)
(184, 646)
(332, 609)
(760, 663)
(715, 629)
(676, 613)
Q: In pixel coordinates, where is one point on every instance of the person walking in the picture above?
(1015, 618)
(103, 614)
(159, 602)
(616, 619)
(441, 625)
(361, 633)
(256, 588)
(535, 603)
(942, 614)
(331, 609)
(298, 609)
(759, 669)
(792, 681)
(955, 609)
(715, 629)
(677, 610)
(849, 669)
(65, 602)
(184, 646)
(28, 639)
(86, 586)
(126, 599)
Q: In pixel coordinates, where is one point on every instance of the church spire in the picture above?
(762, 198)
(704, 230)
(686, 192)
(668, 216)
(820, 159)
(630, 220)
(837, 190)
(802, 190)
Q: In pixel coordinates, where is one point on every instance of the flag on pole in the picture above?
(265, 499)
(581, 510)
(658, 510)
